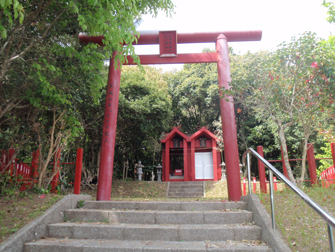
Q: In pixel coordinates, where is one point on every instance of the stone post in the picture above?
(139, 170)
(159, 172)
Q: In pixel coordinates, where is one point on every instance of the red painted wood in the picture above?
(34, 165)
(172, 146)
(332, 147)
(311, 164)
(193, 159)
(254, 184)
(219, 162)
(167, 163)
(261, 170)
(228, 122)
(244, 187)
(189, 160)
(186, 161)
(283, 162)
(172, 134)
(168, 43)
(109, 132)
(215, 160)
(79, 166)
(187, 58)
(152, 37)
(11, 153)
(163, 162)
(55, 179)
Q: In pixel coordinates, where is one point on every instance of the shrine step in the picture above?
(89, 245)
(159, 232)
(186, 189)
(153, 226)
(159, 217)
(166, 205)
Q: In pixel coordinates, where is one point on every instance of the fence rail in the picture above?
(27, 174)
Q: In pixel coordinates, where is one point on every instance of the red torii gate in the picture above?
(168, 55)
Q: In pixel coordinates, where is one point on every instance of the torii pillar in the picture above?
(109, 131)
(168, 55)
(228, 122)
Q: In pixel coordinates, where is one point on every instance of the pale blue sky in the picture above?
(279, 21)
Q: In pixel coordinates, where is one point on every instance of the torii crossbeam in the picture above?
(168, 55)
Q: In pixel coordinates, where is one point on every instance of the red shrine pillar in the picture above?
(228, 122)
(261, 170)
(109, 131)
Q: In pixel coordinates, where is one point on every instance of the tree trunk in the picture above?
(127, 167)
(304, 157)
(285, 154)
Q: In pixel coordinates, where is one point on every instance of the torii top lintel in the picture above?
(152, 38)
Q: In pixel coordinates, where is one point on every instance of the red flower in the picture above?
(314, 64)
(239, 110)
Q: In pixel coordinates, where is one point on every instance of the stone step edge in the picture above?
(178, 195)
(160, 205)
(162, 226)
(229, 210)
(53, 244)
(185, 190)
(164, 232)
(186, 186)
(158, 217)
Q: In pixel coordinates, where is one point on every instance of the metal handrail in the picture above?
(327, 217)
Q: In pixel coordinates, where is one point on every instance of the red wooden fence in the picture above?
(311, 164)
(27, 174)
(328, 177)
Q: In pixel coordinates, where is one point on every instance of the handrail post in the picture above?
(331, 238)
(271, 199)
(249, 175)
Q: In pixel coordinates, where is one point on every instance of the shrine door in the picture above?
(204, 165)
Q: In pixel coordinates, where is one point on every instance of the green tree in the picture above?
(195, 96)
(288, 87)
(36, 25)
(144, 113)
(44, 69)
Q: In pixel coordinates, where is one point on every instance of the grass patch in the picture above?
(216, 189)
(302, 227)
(18, 211)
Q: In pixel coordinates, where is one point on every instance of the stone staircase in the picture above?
(102, 226)
(193, 189)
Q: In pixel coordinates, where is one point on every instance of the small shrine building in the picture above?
(191, 157)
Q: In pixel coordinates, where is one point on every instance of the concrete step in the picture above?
(185, 189)
(165, 205)
(194, 190)
(159, 217)
(89, 245)
(187, 183)
(158, 232)
(184, 195)
(186, 186)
